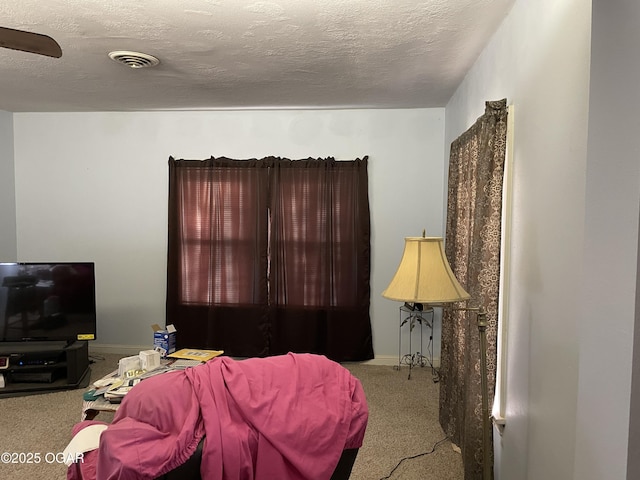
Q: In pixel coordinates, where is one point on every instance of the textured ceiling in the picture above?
(217, 54)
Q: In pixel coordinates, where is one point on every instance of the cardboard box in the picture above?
(164, 339)
(149, 360)
(128, 366)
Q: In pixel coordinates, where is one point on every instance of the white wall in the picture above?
(539, 60)
(8, 249)
(633, 461)
(611, 248)
(93, 186)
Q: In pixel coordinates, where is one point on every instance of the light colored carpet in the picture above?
(403, 421)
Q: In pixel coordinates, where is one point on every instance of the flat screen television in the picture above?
(47, 302)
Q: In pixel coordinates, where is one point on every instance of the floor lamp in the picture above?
(425, 277)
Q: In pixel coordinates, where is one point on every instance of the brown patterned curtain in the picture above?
(472, 246)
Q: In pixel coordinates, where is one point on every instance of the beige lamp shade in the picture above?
(424, 274)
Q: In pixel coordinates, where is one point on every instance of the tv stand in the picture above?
(43, 367)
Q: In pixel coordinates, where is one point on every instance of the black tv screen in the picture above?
(47, 301)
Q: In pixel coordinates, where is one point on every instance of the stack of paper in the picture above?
(195, 354)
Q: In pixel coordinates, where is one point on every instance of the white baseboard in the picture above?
(391, 360)
(127, 350)
(124, 350)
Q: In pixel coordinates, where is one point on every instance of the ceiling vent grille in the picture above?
(134, 59)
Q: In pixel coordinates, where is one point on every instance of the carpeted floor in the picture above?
(403, 422)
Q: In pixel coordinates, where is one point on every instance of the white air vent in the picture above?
(134, 59)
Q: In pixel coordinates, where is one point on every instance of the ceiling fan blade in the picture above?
(29, 42)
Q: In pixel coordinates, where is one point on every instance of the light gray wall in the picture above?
(93, 186)
(539, 60)
(8, 249)
(610, 262)
(633, 465)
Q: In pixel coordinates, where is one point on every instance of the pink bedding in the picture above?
(284, 417)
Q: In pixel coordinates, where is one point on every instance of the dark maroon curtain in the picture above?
(217, 254)
(320, 258)
(270, 256)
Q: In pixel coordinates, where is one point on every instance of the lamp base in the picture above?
(413, 306)
(481, 322)
(414, 315)
(486, 424)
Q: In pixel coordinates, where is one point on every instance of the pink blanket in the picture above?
(285, 417)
